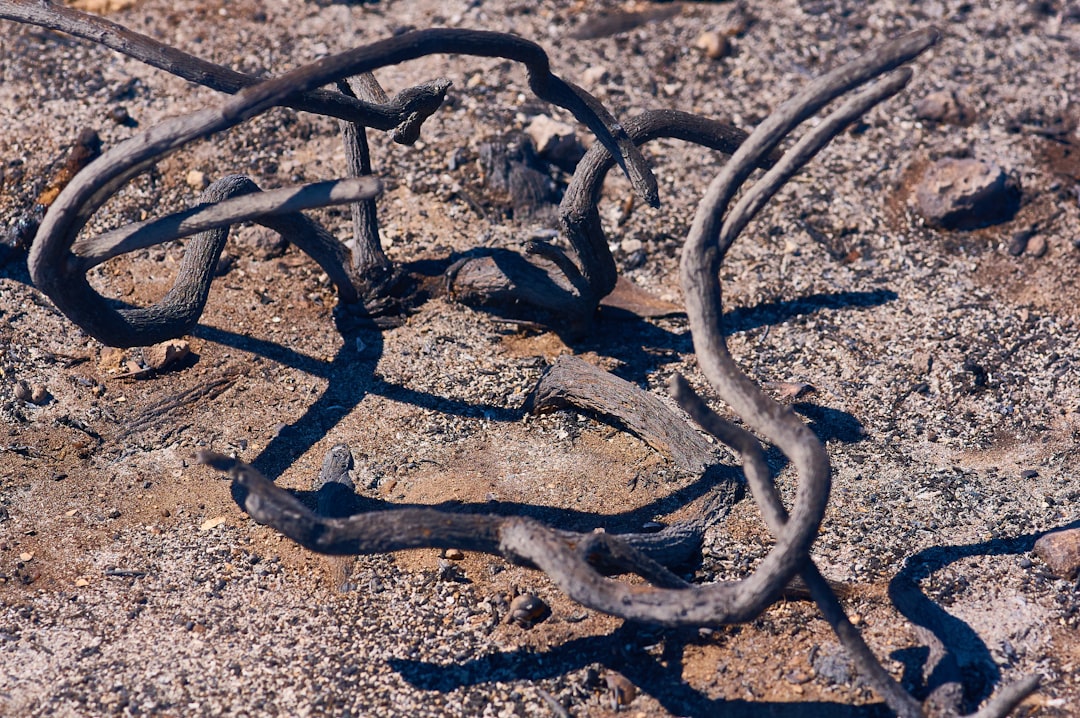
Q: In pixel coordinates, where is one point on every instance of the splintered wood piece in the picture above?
(573, 382)
(631, 298)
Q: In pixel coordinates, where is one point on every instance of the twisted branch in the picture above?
(57, 269)
(574, 561)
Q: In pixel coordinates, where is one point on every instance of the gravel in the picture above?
(946, 371)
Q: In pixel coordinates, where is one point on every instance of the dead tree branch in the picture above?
(572, 381)
(570, 286)
(574, 561)
(57, 270)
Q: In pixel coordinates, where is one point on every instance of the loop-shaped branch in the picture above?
(57, 272)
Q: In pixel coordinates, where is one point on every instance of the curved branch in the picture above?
(402, 116)
(397, 529)
(54, 269)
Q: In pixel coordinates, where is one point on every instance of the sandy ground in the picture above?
(946, 370)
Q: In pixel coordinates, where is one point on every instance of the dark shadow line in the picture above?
(956, 636)
(621, 650)
(743, 319)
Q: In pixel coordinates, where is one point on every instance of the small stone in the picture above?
(120, 116)
(196, 179)
(555, 141)
(922, 362)
(22, 391)
(527, 610)
(1029, 474)
(1019, 242)
(26, 556)
(39, 395)
(945, 107)
(1060, 551)
(622, 691)
(163, 355)
(713, 44)
(630, 246)
(454, 554)
(966, 194)
(80, 582)
(212, 523)
(830, 664)
(111, 358)
(1037, 246)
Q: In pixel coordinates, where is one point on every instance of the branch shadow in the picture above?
(967, 658)
(623, 650)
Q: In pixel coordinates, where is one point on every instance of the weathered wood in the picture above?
(573, 382)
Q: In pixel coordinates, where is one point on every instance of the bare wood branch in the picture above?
(572, 381)
(55, 271)
(403, 115)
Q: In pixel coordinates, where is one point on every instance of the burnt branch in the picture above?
(577, 562)
(570, 286)
(397, 529)
(57, 270)
(714, 230)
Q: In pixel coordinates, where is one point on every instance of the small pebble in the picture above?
(713, 45)
(1060, 551)
(1029, 474)
(196, 179)
(162, 356)
(527, 610)
(623, 692)
(212, 523)
(120, 116)
(27, 556)
(1037, 246)
(22, 391)
(945, 107)
(453, 554)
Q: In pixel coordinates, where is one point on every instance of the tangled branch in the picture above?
(579, 563)
(58, 268)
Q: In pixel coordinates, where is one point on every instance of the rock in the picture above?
(966, 194)
(713, 45)
(1037, 246)
(454, 554)
(944, 107)
(196, 179)
(163, 355)
(212, 523)
(22, 390)
(1060, 551)
(111, 358)
(555, 141)
(621, 690)
(39, 395)
(595, 75)
(830, 665)
(527, 610)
